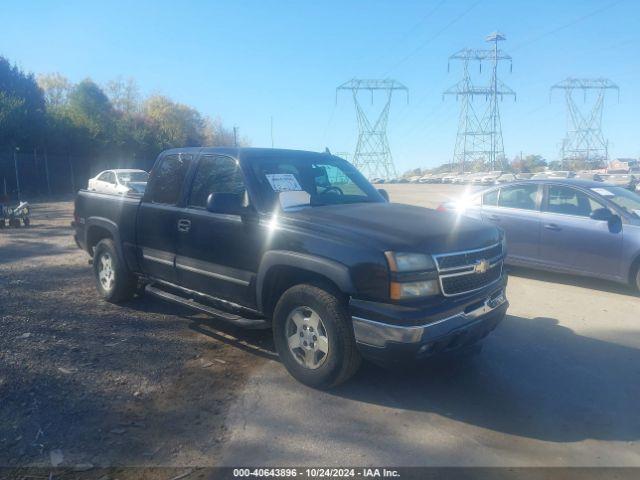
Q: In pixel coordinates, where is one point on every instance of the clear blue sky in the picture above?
(245, 61)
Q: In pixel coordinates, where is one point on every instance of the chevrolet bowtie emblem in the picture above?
(481, 266)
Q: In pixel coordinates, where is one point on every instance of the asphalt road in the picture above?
(557, 384)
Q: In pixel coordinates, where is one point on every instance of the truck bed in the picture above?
(101, 210)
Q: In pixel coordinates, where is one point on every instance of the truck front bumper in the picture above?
(390, 341)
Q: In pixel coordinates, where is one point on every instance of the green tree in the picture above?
(22, 108)
(124, 95)
(175, 124)
(528, 164)
(56, 88)
(90, 111)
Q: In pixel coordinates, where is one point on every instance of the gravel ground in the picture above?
(84, 382)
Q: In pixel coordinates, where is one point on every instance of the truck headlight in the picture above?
(408, 290)
(409, 262)
(408, 272)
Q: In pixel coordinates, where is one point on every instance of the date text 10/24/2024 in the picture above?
(316, 472)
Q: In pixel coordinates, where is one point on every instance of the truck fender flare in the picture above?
(332, 270)
(109, 226)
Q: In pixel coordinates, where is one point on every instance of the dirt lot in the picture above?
(86, 382)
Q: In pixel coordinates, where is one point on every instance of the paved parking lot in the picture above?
(558, 383)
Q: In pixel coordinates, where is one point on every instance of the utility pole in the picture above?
(46, 171)
(235, 136)
(15, 163)
(584, 139)
(73, 178)
(373, 155)
(479, 137)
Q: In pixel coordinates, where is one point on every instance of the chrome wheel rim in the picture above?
(307, 337)
(106, 274)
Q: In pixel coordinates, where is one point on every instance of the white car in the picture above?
(119, 181)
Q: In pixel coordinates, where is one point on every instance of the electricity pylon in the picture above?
(479, 138)
(373, 155)
(584, 139)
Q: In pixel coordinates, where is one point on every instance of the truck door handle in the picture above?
(184, 225)
(552, 226)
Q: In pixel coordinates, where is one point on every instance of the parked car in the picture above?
(573, 226)
(302, 243)
(462, 178)
(596, 177)
(624, 180)
(553, 174)
(506, 178)
(449, 177)
(119, 181)
(476, 178)
(377, 180)
(490, 178)
(524, 175)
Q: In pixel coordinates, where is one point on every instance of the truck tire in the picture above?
(314, 337)
(114, 281)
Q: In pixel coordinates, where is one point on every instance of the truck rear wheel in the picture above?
(114, 281)
(314, 337)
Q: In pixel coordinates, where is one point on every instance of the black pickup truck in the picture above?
(302, 243)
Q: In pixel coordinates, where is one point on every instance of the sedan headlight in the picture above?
(413, 275)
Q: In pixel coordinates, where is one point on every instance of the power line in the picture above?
(566, 25)
(432, 38)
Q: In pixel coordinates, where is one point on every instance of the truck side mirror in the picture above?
(384, 194)
(231, 203)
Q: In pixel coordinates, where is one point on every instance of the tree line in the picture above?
(49, 113)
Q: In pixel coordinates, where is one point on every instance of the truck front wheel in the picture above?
(114, 281)
(313, 336)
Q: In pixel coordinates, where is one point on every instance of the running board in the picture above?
(250, 323)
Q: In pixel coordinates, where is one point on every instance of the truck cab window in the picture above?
(215, 174)
(169, 178)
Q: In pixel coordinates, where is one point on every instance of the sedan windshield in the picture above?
(126, 177)
(328, 182)
(623, 198)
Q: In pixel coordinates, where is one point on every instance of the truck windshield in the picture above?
(328, 182)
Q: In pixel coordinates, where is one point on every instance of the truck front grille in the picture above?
(456, 260)
(465, 272)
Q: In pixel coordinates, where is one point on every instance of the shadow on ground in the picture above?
(535, 379)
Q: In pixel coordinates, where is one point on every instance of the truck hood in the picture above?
(394, 226)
